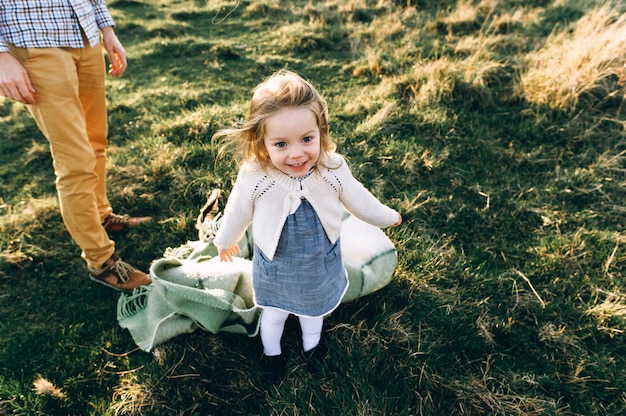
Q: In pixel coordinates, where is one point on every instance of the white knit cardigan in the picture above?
(267, 197)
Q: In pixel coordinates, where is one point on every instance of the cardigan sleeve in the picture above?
(360, 202)
(238, 212)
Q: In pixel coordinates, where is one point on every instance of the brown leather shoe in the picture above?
(119, 275)
(114, 222)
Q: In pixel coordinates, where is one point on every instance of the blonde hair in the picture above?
(281, 90)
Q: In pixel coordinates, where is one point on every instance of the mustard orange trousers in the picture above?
(71, 113)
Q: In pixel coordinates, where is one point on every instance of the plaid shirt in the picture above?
(51, 23)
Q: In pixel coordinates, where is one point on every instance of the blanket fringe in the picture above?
(131, 304)
(180, 252)
(208, 228)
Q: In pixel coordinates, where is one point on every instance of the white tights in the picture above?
(273, 324)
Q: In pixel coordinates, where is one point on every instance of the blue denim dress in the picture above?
(306, 276)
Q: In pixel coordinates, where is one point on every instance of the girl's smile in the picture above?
(292, 140)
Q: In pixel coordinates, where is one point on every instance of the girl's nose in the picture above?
(295, 151)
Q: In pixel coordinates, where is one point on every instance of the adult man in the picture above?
(51, 60)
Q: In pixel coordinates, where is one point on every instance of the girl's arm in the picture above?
(237, 216)
(360, 202)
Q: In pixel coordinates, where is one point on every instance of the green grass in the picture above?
(496, 128)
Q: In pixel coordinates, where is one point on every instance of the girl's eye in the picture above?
(280, 144)
(307, 139)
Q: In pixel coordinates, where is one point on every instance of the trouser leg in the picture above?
(311, 331)
(92, 96)
(71, 113)
(272, 327)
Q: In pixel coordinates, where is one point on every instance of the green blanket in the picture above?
(192, 289)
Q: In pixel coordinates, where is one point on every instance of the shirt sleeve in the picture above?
(4, 47)
(103, 17)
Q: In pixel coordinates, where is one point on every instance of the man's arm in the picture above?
(115, 52)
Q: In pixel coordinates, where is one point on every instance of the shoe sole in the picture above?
(103, 283)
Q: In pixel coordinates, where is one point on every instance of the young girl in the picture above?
(293, 187)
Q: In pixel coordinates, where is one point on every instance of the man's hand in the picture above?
(115, 52)
(14, 80)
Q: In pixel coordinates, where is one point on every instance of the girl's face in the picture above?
(292, 140)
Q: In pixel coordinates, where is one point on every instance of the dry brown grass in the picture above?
(44, 387)
(508, 298)
(130, 396)
(588, 57)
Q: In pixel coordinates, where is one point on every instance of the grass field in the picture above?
(497, 129)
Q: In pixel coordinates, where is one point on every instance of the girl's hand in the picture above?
(227, 254)
(399, 221)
